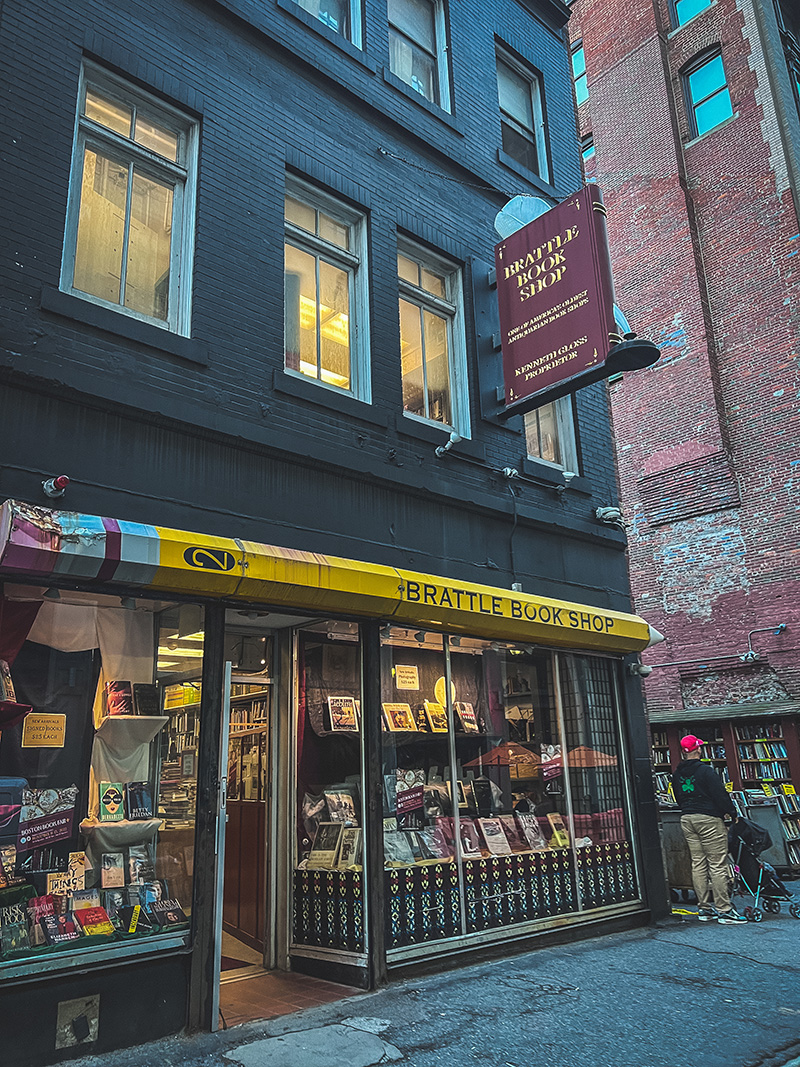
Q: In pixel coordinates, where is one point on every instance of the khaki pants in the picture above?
(707, 839)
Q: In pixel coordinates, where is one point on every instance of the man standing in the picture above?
(704, 802)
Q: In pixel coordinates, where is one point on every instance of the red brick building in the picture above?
(688, 110)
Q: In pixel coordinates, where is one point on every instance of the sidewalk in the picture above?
(682, 994)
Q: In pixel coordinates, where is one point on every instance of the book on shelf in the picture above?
(168, 913)
(119, 698)
(14, 937)
(59, 928)
(325, 848)
(399, 718)
(495, 837)
(397, 847)
(467, 717)
(141, 866)
(513, 831)
(758, 731)
(342, 715)
(112, 797)
(82, 899)
(560, 837)
(341, 806)
(146, 699)
(410, 798)
(349, 847)
(134, 919)
(532, 831)
(94, 921)
(112, 870)
(138, 800)
(471, 842)
(436, 716)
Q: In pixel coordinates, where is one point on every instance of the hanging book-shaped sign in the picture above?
(556, 302)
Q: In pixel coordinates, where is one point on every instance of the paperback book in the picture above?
(168, 913)
(138, 800)
(119, 698)
(14, 937)
(112, 870)
(531, 830)
(495, 838)
(399, 717)
(325, 849)
(560, 838)
(349, 847)
(145, 699)
(83, 899)
(341, 806)
(470, 839)
(94, 921)
(59, 928)
(342, 714)
(514, 835)
(134, 919)
(466, 715)
(112, 808)
(436, 716)
(141, 866)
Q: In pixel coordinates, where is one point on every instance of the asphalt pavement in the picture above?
(679, 994)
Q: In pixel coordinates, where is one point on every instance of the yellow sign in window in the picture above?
(44, 731)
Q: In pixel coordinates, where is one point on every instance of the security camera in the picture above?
(610, 517)
(640, 669)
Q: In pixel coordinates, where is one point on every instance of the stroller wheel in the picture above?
(758, 915)
(748, 912)
(794, 911)
(772, 906)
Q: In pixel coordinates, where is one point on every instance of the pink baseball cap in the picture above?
(690, 743)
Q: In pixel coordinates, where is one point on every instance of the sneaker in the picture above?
(705, 915)
(731, 916)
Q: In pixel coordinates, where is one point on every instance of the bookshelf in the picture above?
(761, 753)
(660, 752)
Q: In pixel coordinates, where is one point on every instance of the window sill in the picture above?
(301, 388)
(714, 129)
(530, 176)
(436, 434)
(336, 39)
(419, 99)
(120, 325)
(552, 475)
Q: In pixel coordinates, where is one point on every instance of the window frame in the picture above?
(693, 67)
(355, 36)
(537, 135)
(567, 430)
(182, 176)
(441, 65)
(677, 22)
(354, 262)
(451, 308)
(582, 77)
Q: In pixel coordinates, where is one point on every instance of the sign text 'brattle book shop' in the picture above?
(556, 299)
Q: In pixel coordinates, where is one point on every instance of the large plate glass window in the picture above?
(432, 343)
(325, 280)
(341, 16)
(417, 52)
(707, 94)
(550, 434)
(130, 223)
(329, 840)
(100, 718)
(521, 115)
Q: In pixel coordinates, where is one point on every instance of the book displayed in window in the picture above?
(325, 849)
(399, 717)
(168, 913)
(140, 864)
(112, 871)
(350, 847)
(560, 838)
(436, 716)
(466, 716)
(410, 798)
(94, 921)
(471, 843)
(138, 800)
(112, 808)
(494, 836)
(85, 898)
(119, 698)
(342, 714)
(513, 831)
(146, 699)
(531, 830)
(341, 806)
(59, 928)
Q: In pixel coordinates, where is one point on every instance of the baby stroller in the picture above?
(746, 841)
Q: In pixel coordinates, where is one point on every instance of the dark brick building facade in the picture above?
(691, 127)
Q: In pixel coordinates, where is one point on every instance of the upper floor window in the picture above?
(521, 116)
(341, 16)
(130, 219)
(325, 313)
(550, 434)
(432, 344)
(588, 158)
(579, 73)
(684, 10)
(707, 94)
(417, 53)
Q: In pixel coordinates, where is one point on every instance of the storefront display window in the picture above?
(99, 726)
(329, 866)
(503, 794)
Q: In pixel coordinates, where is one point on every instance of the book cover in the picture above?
(133, 918)
(59, 928)
(168, 913)
(112, 870)
(341, 806)
(350, 847)
(482, 792)
(398, 717)
(466, 715)
(410, 798)
(145, 699)
(94, 921)
(560, 838)
(14, 913)
(444, 837)
(141, 867)
(532, 831)
(493, 835)
(112, 808)
(436, 716)
(119, 698)
(342, 714)
(14, 937)
(471, 844)
(112, 901)
(8, 858)
(390, 791)
(150, 894)
(40, 907)
(326, 845)
(396, 848)
(85, 898)
(514, 834)
(138, 800)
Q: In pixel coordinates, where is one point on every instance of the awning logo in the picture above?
(210, 559)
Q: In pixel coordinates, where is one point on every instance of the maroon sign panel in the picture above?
(556, 299)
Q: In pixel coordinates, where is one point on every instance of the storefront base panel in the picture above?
(558, 931)
(120, 1007)
(332, 971)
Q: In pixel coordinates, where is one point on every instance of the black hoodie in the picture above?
(699, 790)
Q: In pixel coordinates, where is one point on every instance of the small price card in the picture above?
(767, 789)
(788, 789)
(729, 786)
